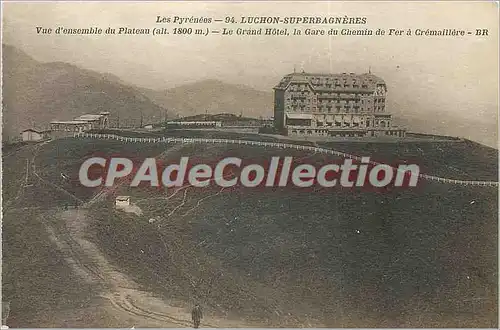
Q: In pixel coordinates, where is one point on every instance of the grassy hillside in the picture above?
(423, 257)
(462, 160)
(36, 279)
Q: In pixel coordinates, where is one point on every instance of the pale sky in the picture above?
(457, 75)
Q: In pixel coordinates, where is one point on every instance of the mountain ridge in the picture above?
(213, 96)
(35, 93)
(58, 85)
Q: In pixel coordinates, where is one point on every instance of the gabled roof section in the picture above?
(89, 117)
(69, 122)
(333, 82)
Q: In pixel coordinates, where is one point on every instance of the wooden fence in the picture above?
(272, 145)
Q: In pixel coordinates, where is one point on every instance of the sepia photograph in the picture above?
(249, 164)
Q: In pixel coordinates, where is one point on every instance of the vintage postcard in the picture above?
(250, 164)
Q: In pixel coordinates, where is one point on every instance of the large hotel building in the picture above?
(346, 105)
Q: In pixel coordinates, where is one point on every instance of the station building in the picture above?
(341, 105)
(99, 121)
(74, 126)
(80, 124)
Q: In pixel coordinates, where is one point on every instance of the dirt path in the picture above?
(123, 293)
(120, 293)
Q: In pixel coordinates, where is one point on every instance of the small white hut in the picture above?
(121, 201)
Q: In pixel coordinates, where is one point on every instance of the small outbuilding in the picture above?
(33, 135)
(121, 201)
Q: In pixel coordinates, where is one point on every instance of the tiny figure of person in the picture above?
(196, 315)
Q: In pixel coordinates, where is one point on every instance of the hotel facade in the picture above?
(333, 105)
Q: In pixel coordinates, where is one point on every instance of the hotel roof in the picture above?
(337, 81)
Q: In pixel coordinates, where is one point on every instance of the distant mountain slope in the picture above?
(35, 93)
(214, 97)
(478, 130)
